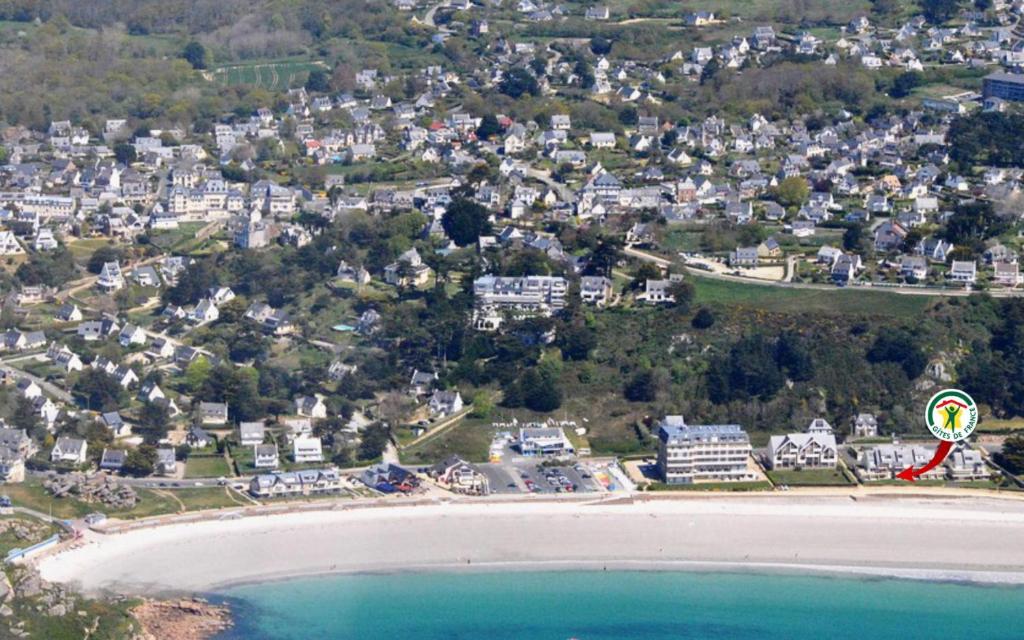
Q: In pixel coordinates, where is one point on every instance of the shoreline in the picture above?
(877, 537)
(995, 579)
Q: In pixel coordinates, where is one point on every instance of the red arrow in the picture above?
(910, 474)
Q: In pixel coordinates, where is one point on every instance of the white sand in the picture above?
(940, 538)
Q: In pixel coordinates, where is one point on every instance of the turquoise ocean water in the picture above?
(620, 606)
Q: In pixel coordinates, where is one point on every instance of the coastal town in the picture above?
(520, 251)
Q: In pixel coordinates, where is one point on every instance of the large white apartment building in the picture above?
(694, 453)
(517, 296)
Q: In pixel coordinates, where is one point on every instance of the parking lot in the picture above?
(526, 475)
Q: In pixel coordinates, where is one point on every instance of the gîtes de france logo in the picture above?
(951, 415)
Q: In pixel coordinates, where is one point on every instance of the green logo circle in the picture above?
(951, 415)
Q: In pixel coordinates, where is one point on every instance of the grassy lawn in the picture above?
(993, 425)
(32, 494)
(174, 238)
(711, 291)
(83, 249)
(271, 75)
(207, 467)
(809, 477)
(469, 439)
(206, 498)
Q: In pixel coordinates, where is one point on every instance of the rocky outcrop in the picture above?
(187, 619)
(99, 488)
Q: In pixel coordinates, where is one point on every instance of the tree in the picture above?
(192, 285)
(140, 461)
(465, 221)
(987, 139)
(993, 373)
(99, 390)
(52, 268)
(939, 11)
(124, 153)
(710, 70)
(576, 342)
(489, 127)
(749, 371)
(318, 81)
(517, 82)
(905, 83)
(540, 390)
(25, 416)
(375, 439)
(646, 271)
(642, 387)
(154, 418)
(1012, 454)
(900, 347)
(852, 237)
(600, 45)
(703, 319)
(196, 55)
(973, 222)
(197, 373)
(682, 293)
(101, 256)
(794, 358)
(792, 192)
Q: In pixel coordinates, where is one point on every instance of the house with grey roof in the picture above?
(113, 459)
(251, 433)
(213, 412)
(69, 450)
(265, 456)
(166, 463)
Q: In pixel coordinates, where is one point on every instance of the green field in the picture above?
(269, 75)
(174, 239)
(809, 477)
(31, 494)
(469, 439)
(780, 299)
(207, 467)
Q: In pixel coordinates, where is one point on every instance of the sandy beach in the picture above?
(970, 539)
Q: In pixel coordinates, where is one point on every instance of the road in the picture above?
(49, 388)
(791, 267)
(428, 17)
(565, 194)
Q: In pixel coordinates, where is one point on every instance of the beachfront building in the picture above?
(460, 476)
(388, 477)
(802, 451)
(695, 453)
(543, 441)
(884, 461)
(291, 483)
(965, 465)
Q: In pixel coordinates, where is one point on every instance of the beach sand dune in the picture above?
(956, 539)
